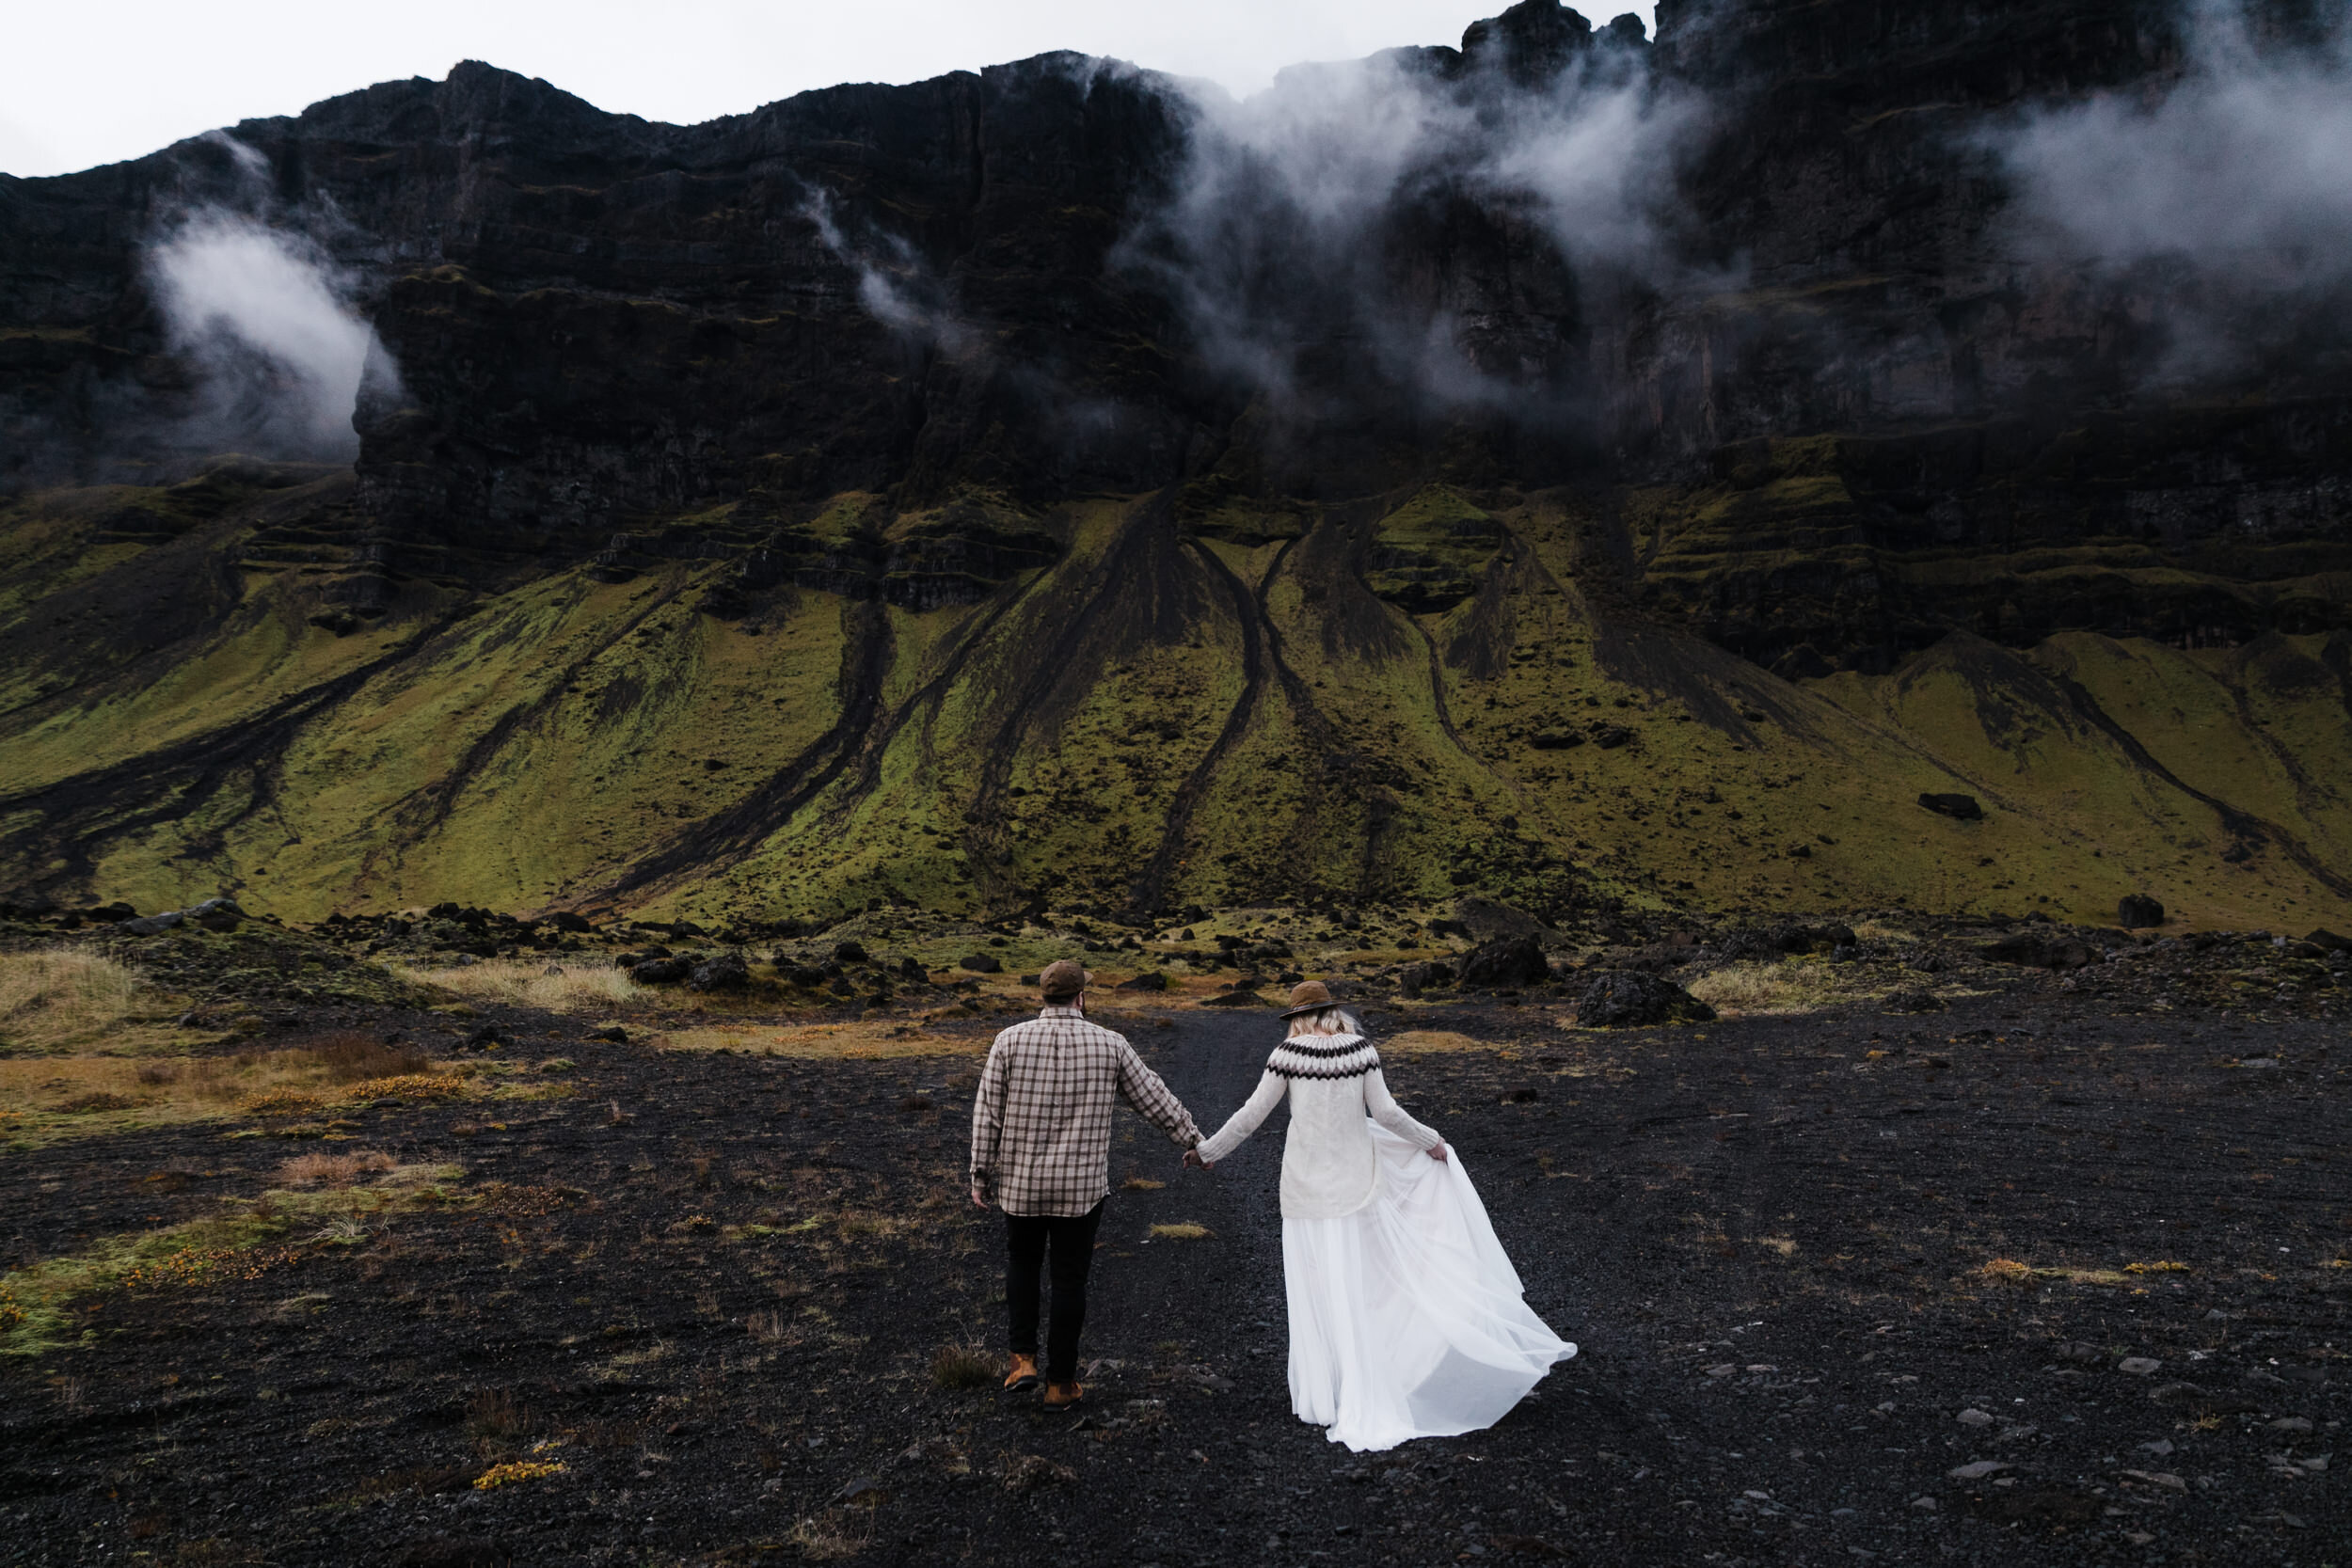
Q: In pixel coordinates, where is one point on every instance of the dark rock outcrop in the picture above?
(2135, 911)
(724, 973)
(1627, 999)
(1505, 963)
(2037, 949)
(1963, 808)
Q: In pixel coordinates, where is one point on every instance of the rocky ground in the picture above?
(2054, 1273)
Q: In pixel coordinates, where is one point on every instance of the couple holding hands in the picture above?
(1405, 1316)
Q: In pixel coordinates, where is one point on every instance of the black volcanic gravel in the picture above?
(1765, 1233)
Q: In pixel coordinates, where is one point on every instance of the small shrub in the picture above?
(11, 1312)
(193, 1267)
(410, 1086)
(336, 1170)
(81, 1105)
(1182, 1230)
(962, 1367)
(696, 1225)
(2006, 1271)
(284, 1102)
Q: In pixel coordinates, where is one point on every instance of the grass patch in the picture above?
(238, 1244)
(60, 999)
(2006, 1271)
(1421, 1042)
(526, 983)
(1140, 1184)
(962, 1367)
(875, 1040)
(1181, 1230)
(1787, 985)
(517, 1470)
(45, 1100)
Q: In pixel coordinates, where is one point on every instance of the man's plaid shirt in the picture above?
(1041, 1121)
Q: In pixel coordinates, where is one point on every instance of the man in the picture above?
(1042, 1149)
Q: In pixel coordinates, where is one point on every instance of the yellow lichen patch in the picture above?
(517, 1470)
(2006, 1271)
(1180, 1230)
(2166, 1267)
(410, 1086)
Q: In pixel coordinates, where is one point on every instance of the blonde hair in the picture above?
(1325, 1021)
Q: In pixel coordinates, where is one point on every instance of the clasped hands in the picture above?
(1194, 1162)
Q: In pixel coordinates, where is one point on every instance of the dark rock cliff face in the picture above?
(1051, 355)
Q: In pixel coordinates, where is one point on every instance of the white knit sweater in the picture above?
(1329, 1168)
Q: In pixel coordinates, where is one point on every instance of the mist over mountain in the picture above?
(1574, 467)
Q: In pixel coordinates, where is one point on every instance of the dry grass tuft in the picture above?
(1140, 1184)
(831, 1535)
(2006, 1271)
(410, 1086)
(2166, 1267)
(57, 998)
(1422, 1040)
(59, 1097)
(335, 1170)
(962, 1367)
(1181, 1230)
(867, 1039)
(284, 1102)
(525, 983)
(1751, 987)
(514, 1470)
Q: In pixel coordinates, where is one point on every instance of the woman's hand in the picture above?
(1437, 1152)
(1194, 1162)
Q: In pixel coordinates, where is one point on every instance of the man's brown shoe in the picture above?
(1023, 1374)
(1063, 1396)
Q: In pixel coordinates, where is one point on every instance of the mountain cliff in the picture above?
(1570, 468)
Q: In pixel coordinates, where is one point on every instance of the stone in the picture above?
(1914, 1002)
(910, 968)
(661, 972)
(2136, 911)
(153, 925)
(2138, 1365)
(1150, 979)
(552, 970)
(613, 1032)
(1626, 999)
(1972, 1417)
(1979, 1469)
(849, 952)
(727, 971)
(1925, 1505)
(2160, 1448)
(1243, 997)
(1505, 963)
(981, 963)
(2041, 950)
(1962, 808)
(2292, 1423)
(2328, 941)
(565, 920)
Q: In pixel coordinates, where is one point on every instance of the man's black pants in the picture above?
(1071, 1238)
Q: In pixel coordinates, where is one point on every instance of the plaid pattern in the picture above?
(1041, 1121)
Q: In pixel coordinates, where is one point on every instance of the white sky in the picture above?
(87, 82)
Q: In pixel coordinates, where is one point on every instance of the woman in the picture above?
(1405, 1317)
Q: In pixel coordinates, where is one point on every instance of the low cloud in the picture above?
(267, 319)
(893, 284)
(1298, 221)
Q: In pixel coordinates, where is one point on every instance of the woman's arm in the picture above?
(1389, 1114)
(1244, 1121)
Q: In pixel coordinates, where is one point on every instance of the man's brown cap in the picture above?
(1307, 996)
(1063, 979)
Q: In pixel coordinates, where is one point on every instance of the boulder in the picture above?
(661, 972)
(148, 926)
(2135, 911)
(1150, 979)
(982, 964)
(910, 968)
(1488, 920)
(1914, 1002)
(727, 971)
(1242, 998)
(565, 920)
(2328, 940)
(217, 914)
(2042, 950)
(1416, 977)
(1962, 807)
(849, 952)
(1625, 999)
(1506, 963)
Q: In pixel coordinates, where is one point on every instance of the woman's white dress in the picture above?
(1405, 1317)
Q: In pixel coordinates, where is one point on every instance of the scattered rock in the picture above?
(2160, 1448)
(1974, 1418)
(1980, 1469)
(727, 971)
(1506, 963)
(2135, 911)
(1150, 979)
(2041, 950)
(487, 1037)
(1622, 999)
(614, 1033)
(153, 925)
(2328, 941)
(864, 1492)
(1914, 1002)
(1962, 807)
(849, 952)
(565, 920)
(2292, 1423)
(2080, 1353)
(910, 968)
(661, 972)
(2138, 1365)
(1414, 978)
(982, 964)
(1609, 736)
(1241, 998)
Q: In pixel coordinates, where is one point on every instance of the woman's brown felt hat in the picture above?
(1308, 996)
(1063, 979)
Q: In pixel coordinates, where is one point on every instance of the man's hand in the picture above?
(979, 1200)
(1194, 1162)
(1438, 1153)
